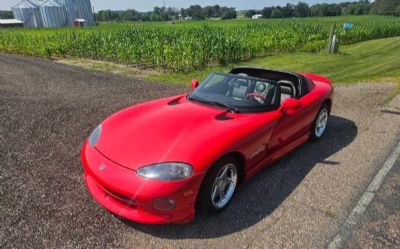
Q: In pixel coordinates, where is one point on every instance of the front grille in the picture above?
(130, 202)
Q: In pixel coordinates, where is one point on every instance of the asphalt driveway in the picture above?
(47, 109)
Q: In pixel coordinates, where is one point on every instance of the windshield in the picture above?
(236, 92)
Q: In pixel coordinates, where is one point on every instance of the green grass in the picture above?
(375, 60)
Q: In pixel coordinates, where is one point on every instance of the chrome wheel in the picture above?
(321, 123)
(224, 186)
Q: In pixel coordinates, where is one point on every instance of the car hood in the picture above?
(166, 130)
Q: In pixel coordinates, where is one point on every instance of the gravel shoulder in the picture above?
(47, 109)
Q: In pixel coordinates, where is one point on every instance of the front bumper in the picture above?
(124, 193)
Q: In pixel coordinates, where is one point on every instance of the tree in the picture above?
(195, 11)
(326, 10)
(267, 11)
(287, 11)
(386, 7)
(250, 13)
(276, 13)
(107, 15)
(229, 14)
(334, 10)
(130, 15)
(359, 8)
(183, 13)
(301, 10)
(6, 14)
(216, 11)
(207, 11)
(172, 13)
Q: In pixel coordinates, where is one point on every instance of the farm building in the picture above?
(11, 23)
(256, 16)
(79, 23)
(53, 13)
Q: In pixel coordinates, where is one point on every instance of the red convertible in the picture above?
(160, 161)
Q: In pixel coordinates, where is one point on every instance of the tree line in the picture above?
(6, 14)
(301, 9)
(195, 12)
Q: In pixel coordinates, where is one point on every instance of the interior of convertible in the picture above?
(238, 90)
(289, 83)
(249, 89)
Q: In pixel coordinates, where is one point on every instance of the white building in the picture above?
(256, 16)
(11, 23)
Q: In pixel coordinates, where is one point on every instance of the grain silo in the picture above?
(28, 12)
(81, 9)
(70, 7)
(53, 14)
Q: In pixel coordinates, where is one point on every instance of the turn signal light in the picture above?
(164, 204)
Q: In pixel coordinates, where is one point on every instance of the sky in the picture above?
(146, 5)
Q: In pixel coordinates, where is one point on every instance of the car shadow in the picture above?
(259, 197)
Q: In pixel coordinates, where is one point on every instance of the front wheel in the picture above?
(218, 186)
(320, 123)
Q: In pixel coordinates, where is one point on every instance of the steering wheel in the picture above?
(258, 95)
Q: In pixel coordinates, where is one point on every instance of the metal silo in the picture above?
(84, 10)
(53, 14)
(70, 7)
(28, 12)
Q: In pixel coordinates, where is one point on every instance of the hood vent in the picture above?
(176, 101)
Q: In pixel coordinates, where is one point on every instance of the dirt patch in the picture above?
(110, 67)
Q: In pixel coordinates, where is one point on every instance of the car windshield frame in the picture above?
(239, 106)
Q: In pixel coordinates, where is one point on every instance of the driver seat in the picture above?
(238, 89)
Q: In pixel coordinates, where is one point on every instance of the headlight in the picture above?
(166, 171)
(95, 136)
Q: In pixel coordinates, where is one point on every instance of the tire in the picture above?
(208, 200)
(320, 123)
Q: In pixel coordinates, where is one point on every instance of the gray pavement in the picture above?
(47, 109)
(379, 227)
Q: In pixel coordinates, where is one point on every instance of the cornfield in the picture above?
(185, 46)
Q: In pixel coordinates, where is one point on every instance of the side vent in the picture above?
(223, 117)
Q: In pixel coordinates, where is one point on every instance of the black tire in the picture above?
(314, 134)
(204, 203)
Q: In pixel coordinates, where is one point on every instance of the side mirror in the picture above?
(194, 84)
(290, 104)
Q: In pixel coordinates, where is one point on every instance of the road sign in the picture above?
(347, 25)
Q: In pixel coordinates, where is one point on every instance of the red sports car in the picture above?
(159, 161)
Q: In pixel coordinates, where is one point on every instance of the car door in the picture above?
(292, 127)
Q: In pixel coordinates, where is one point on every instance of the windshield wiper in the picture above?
(214, 103)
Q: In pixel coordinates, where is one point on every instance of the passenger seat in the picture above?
(288, 90)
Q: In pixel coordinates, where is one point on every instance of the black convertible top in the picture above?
(277, 75)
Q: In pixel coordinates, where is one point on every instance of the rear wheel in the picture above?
(219, 186)
(320, 123)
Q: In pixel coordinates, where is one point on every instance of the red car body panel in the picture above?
(177, 130)
(128, 195)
